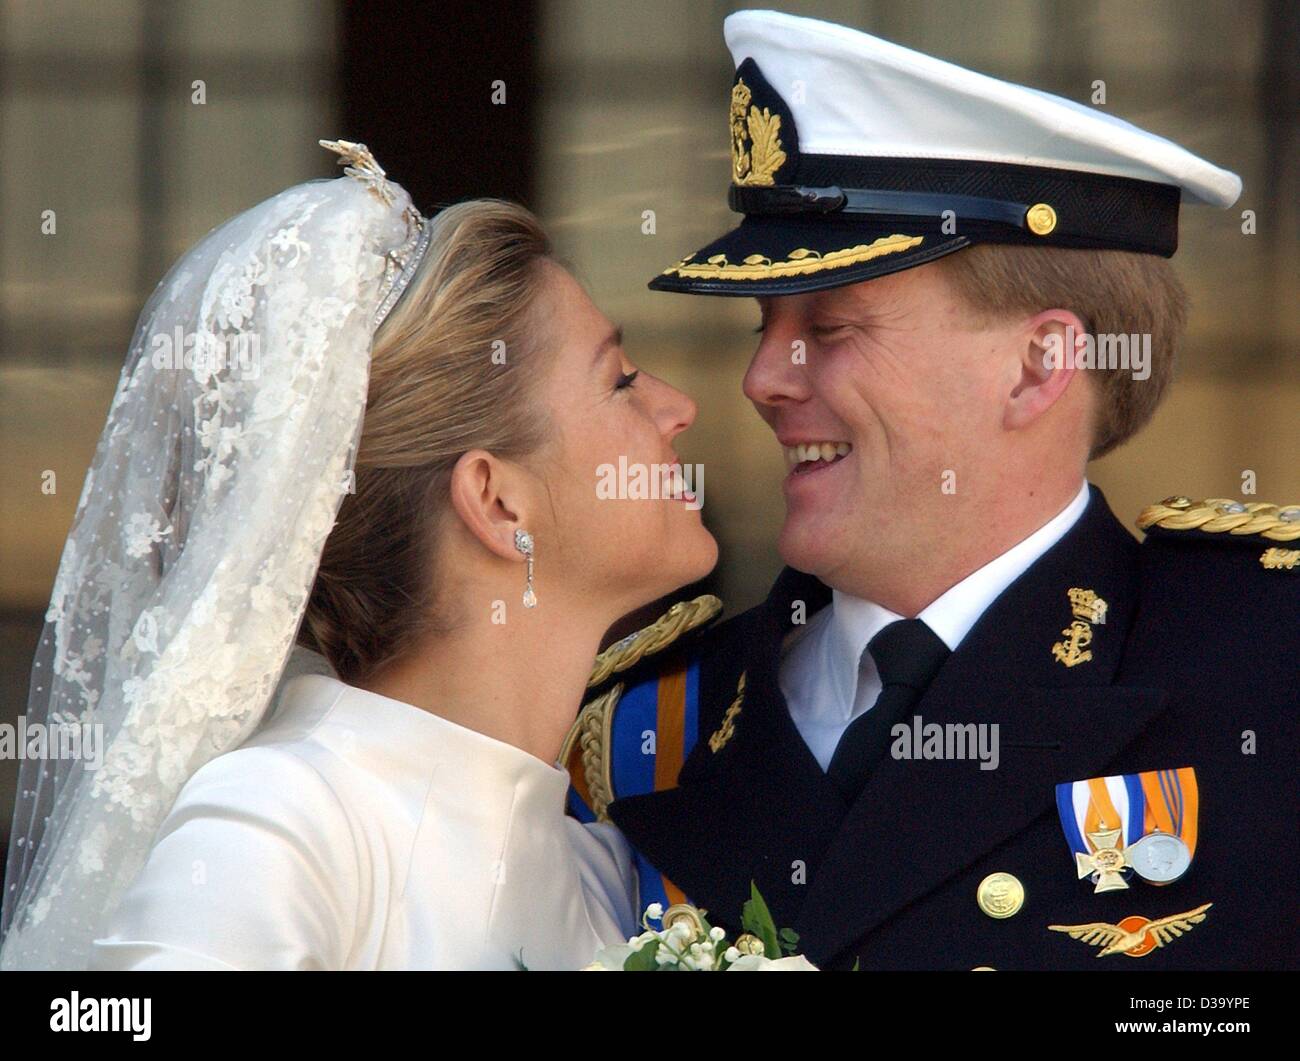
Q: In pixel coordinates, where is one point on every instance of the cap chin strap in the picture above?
(789, 199)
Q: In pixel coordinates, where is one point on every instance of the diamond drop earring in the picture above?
(524, 543)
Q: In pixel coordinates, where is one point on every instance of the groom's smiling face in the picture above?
(874, 390)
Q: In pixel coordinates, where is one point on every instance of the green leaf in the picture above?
(857, 965)
(643, 960)
(756, 918)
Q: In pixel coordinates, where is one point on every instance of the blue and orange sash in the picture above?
(656, 725)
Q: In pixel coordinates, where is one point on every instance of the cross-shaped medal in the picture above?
(1106, 860)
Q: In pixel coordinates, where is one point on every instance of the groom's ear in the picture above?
(483, 490)
(1044, 368)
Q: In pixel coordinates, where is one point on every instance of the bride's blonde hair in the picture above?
(449, 373)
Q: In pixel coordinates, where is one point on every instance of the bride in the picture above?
(375, 434)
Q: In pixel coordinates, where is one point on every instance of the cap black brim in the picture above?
(772, 255)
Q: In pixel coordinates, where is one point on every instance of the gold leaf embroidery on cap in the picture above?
(756, 152)
(799, 261)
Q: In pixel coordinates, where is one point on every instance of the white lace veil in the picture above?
(228, 448)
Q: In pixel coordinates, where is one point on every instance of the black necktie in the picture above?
(908, 655)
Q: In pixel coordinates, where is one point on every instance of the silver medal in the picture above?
(1159, 858)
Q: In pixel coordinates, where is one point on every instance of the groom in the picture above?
(975, 724)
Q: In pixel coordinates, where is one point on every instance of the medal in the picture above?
(1127, 824)
(1159, 858)
(1105, 863)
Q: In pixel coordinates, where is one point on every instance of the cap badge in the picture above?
(756, 151)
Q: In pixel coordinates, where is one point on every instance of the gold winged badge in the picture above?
(1135, 936)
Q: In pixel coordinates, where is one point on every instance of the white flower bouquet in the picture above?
(686, 942)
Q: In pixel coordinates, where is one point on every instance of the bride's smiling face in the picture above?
(608, 414)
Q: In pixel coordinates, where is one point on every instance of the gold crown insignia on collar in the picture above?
(1086, 605)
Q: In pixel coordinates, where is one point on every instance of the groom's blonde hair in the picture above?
(1112, 292)
(449, 373)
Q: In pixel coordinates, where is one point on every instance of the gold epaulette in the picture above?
(681, 618)
(1218, 515)
(585, 752)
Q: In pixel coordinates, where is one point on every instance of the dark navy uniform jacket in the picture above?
(1195, 665)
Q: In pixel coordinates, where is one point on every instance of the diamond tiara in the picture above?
(401, 263)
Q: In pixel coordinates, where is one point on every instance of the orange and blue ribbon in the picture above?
(655, 727)
(1155, 800)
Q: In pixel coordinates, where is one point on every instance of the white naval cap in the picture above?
(865, 96)
(853, 157)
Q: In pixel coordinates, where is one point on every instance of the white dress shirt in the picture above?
(354, 831)
(829, 678)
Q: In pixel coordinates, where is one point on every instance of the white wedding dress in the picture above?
(340, 830)
(354, 831)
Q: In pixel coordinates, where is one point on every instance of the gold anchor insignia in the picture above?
(1106, 860)
(1072, 651)
(1135, 936)
(727, 730)
(754, 162)
(1087, 608)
